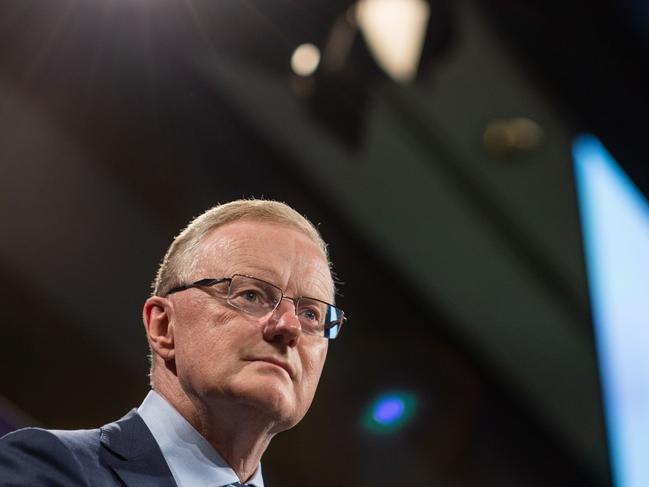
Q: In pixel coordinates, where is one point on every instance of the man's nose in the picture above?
(284, 325)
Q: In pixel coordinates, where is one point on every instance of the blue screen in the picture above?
(615, 224)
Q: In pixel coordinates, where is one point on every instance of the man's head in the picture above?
(205, 349)
(184, 253)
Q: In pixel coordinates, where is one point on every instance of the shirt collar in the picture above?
(191, 458)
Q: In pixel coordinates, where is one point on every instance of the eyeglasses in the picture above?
(259, 298)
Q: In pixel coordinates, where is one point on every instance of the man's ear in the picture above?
(158, 321)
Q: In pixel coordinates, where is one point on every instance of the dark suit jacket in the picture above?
(118, 454)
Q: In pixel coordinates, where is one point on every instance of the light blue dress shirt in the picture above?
(191, 459)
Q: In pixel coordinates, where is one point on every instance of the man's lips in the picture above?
(275, 361)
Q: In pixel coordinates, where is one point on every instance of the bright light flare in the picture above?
(305, 59)
(395, 31)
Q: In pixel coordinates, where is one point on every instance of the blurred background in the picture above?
(431, 141)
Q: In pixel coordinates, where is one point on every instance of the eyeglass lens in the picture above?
(258, 298)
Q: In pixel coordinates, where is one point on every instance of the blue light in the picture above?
(615, 221)
(389, 410)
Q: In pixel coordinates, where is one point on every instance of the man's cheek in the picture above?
(223, 317)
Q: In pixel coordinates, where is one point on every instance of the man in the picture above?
(238, 325)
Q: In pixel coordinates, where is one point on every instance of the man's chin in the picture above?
(272, 398)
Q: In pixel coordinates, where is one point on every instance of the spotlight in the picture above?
(370, 41)
(395, 31)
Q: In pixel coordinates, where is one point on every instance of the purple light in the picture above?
(389, 410)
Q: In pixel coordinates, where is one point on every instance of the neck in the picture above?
(241, 443)
(239, 433)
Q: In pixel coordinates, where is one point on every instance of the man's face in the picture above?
(228, 360)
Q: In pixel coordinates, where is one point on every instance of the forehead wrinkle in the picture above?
(304, 270)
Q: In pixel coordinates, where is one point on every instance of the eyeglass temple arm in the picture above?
(203, 282)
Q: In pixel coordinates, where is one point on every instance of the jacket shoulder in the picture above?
(34, 456)
(122, 452)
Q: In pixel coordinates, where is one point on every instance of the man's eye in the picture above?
(310, 314)
(252, 296)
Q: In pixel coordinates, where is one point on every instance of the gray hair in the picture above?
(183, 255)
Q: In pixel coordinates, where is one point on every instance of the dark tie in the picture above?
(237, 484)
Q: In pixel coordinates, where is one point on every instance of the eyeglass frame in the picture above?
(210, 281)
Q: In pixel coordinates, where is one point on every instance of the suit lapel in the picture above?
(131, 451)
